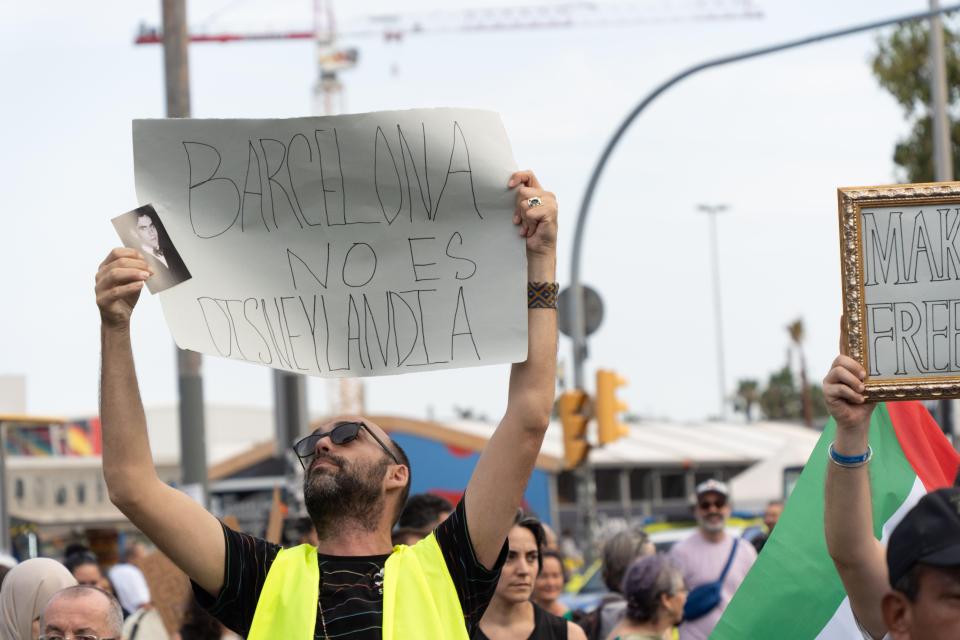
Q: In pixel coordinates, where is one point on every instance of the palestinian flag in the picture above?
(793, 591)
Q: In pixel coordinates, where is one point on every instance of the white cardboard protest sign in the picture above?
(336, 246)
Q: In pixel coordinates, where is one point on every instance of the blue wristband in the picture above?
(850, 461)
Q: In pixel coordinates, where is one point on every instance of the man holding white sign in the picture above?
(353, 585)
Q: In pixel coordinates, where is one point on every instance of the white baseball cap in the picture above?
(714, 486)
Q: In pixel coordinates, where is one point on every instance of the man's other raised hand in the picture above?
(537, 222)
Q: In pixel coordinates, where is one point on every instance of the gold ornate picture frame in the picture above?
(900, 264)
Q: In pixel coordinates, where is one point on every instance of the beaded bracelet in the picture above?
(850, 462)
(542, 295)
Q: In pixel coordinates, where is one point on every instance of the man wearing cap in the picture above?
(911, 590)
(709, 555)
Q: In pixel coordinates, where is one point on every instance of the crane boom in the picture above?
(562, 15)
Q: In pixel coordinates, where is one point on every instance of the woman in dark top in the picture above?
(511, 615)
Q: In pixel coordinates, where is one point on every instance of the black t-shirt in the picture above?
(351, 587)
(546, 626)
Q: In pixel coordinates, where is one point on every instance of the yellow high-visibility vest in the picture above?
(419, 597)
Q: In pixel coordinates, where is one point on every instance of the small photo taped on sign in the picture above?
(142, 229)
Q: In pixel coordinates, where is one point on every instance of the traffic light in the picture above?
(571, 407)
(607, 406)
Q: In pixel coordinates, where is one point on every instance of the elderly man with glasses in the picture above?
(81, 613)
(354, 585)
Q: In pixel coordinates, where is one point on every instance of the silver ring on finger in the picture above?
(535, 201)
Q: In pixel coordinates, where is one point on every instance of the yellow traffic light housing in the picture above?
(571, 406)
(607, 407)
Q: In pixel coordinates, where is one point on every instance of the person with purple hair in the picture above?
(655, 593)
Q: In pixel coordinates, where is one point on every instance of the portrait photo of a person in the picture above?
(142, 229)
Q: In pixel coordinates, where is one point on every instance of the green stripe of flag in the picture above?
(793, 590)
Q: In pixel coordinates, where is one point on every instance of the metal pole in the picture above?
(586, 508)
(712, 211)
(289, 409)
(942, 156)
(579, 338)
(942, 147)
(175, 62)
(193, 445)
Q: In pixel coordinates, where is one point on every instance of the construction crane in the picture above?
(347, 394)
(394, 27)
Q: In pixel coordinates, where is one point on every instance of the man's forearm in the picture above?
(848, 511)
(848, 522)
(496, 487)
(127, 460)
(532, 381)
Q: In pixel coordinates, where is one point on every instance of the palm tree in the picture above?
(795, 329)
(748, 393)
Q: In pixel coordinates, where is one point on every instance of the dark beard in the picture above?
(353, 493)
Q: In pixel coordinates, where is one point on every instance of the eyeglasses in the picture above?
(82, 636)
(707, 504)
(342, 433)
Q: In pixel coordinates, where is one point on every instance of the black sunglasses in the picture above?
(341, 433)
(706, 504)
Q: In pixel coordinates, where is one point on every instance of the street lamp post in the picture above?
(712, 211)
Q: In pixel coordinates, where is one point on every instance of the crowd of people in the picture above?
(375, 562)
(46, 598)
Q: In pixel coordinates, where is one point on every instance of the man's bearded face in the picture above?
(336, 489)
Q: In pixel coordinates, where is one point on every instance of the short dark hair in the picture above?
(909, 583)
(405, 461)
(78, 559)
(423, 509)
(76, 547)
(533, 525)
(198, 624)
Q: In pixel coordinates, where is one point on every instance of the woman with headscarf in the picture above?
(655, 595)
(25, 592)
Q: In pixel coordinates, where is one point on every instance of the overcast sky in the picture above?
(771, 138)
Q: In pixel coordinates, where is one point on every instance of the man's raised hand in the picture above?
(537, 222)
(843, 391)
(119, 281)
